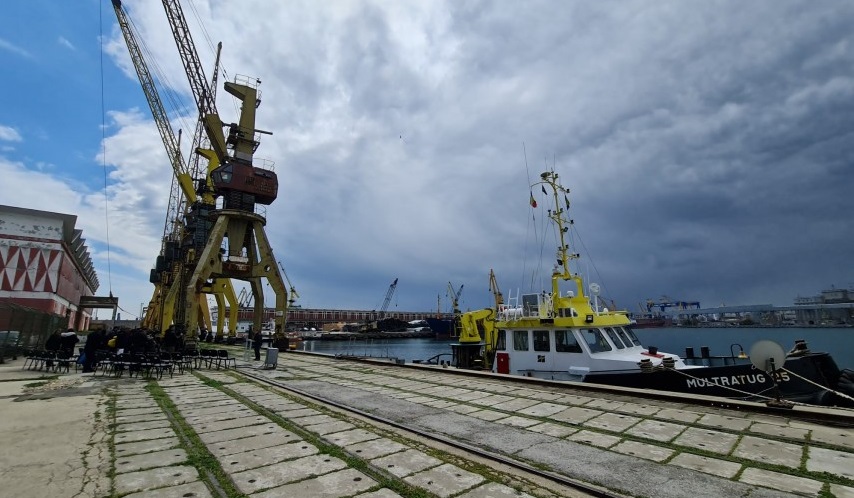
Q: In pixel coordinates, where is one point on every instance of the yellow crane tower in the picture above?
(228, 242)
(170, 262)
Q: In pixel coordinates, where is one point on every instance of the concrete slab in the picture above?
(255, 442)
(594, 438)
(123, 450)
(464, 409)
(155, 478)
(607, 405)
(708, 465)
(769, 451)
(341, 483)
(724, 422)
(576, 415)
(656, 430)
(297, 413)
(164, 458)
(445, 480)
(639, 409)
(493, 400)
(375, 448)
(125, 404)
(676, 415)
(542, 409)
(271, 476)
(238, 462)
(643, 450)
(488, 415)
(329, 428)
(230, 424)
(518, 404)
(349, 437)
(406, 462)
(440, 403)
(776, 480)
(551, 429)
(382, 493)
(708, 440)
(314, 420)
(141, 418)
(518, 421)
(194, 489)
(139, 426)
(495, 490)
(840, 491)
(833, 436)
(572, 399)
(221, 416)
(209, 410)
(779, 430)
(421, 400)
(836, 462)
(243, 432)
(129, 437)
(138, 411)
(471, 396)
(613, 422)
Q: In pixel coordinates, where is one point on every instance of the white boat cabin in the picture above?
(570, 353)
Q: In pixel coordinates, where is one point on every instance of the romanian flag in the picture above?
(533, 201)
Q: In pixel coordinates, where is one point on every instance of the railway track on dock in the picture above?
(558, 484)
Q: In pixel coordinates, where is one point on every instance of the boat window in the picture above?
(541, 340)
(565, 342)
(520, 340)
(614, 338)
(624, 336)
(596, 341)
(501, 340)
(631, 334)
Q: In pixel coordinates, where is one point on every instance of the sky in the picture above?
(708, 146)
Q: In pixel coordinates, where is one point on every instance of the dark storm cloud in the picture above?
(707, 144)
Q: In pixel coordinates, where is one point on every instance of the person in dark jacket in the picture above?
(94, 341)
(67, 341)
(256, 344)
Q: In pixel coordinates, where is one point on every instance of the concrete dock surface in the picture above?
(213, 432)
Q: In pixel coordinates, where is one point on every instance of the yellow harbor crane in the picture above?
(170, 262)
(221, 242)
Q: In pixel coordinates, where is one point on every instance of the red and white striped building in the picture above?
(45, 264)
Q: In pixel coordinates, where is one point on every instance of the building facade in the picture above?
(45, 263)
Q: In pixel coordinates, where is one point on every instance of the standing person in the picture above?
(94, 342)
(256, 344)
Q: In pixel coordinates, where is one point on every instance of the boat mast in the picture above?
(564, 256)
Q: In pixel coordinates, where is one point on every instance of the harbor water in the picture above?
(721, 341)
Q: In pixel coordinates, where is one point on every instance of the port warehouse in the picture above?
(320, 319)
(803, 315)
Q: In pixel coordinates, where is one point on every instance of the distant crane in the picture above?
(496, 292)
(293, 292)
(455, 298)
(387, 300)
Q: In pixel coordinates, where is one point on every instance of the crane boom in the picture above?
(161, 119)
(196, 77)
(387, 300)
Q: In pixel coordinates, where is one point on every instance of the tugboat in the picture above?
(560, 334)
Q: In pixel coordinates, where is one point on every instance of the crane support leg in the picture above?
(249, 258)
